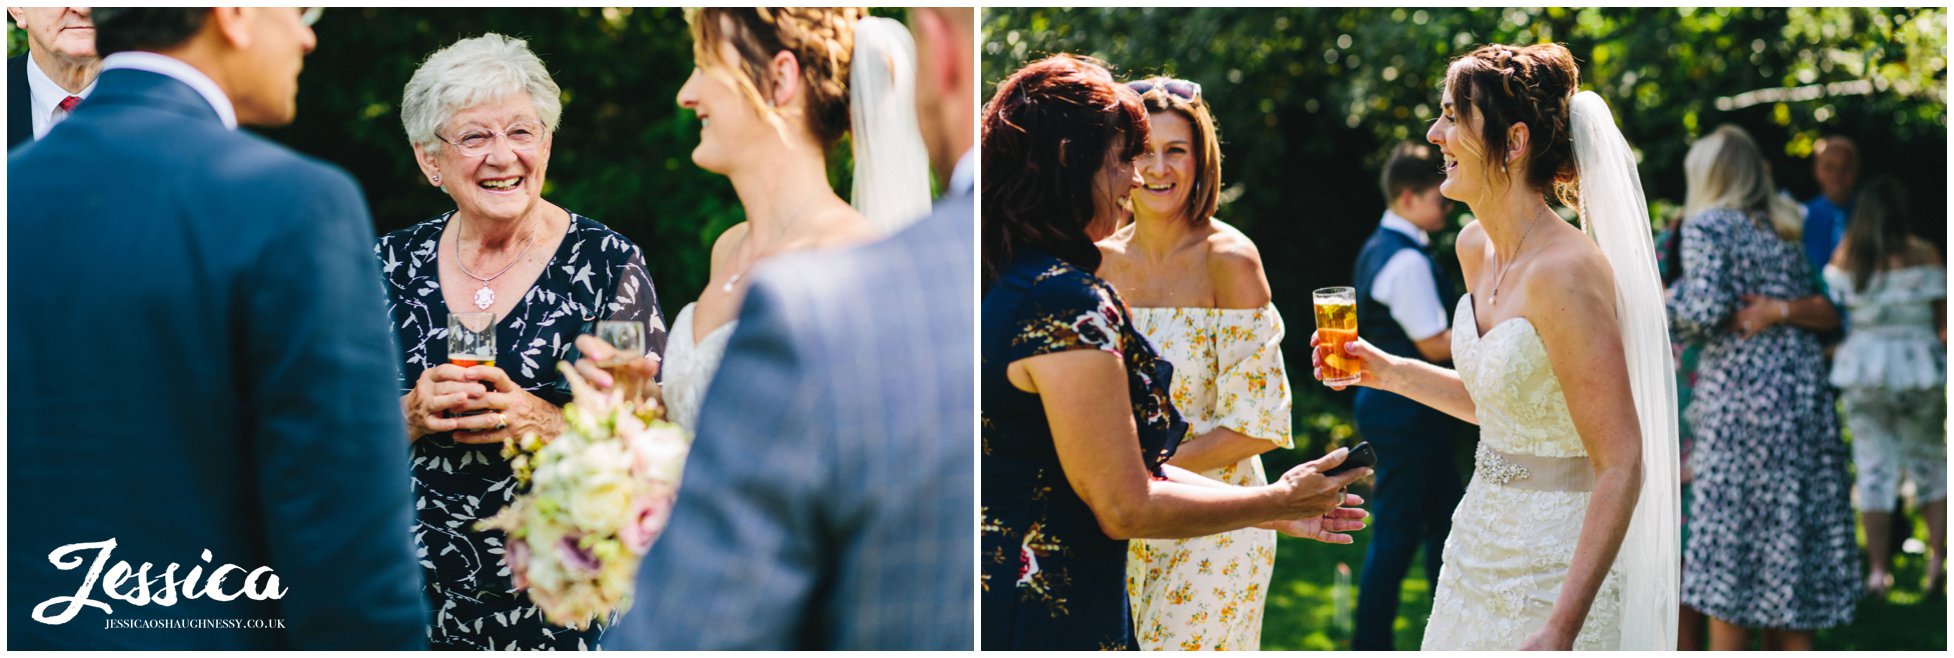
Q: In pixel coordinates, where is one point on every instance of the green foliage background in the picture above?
(1309, 101)
(623, 149)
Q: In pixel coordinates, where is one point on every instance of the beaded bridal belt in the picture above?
(1533, 471)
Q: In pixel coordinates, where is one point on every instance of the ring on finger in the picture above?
(501, 421)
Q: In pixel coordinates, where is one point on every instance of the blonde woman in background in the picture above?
(1770, 528)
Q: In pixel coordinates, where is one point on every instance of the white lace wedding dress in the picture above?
(1513, 535)
(689, 365)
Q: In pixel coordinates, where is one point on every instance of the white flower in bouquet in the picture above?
(598, 496)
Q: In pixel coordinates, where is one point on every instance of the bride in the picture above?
(774, 90)
(1567, 536)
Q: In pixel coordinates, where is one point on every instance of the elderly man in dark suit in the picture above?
(49, 81)
(202, 376)
(827, 500)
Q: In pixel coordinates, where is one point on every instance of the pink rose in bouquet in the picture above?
(597, 497)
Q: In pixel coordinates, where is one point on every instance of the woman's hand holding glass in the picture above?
(440, 393)
(479, 404)
(606, 367)
(1379, 369)
(514, 412)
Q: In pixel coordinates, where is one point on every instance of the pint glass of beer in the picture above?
(1336, 324)
(471, 339)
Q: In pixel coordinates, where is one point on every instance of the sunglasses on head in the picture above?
(1182, 89)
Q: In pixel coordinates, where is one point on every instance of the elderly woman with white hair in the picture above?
(480, 115)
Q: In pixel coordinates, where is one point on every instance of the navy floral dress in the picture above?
(1770, 526)
(595, 274)
(1051, 579)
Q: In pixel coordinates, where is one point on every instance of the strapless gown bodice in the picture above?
(1518, 400)
(689, 366)
(1511, 545)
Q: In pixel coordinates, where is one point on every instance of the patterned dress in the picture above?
(1207, 593)
(1050, 578)
(595, 275)
(1892, 370)
(1770, 525)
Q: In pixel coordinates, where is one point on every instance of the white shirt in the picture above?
(1405, 284)
(964, 177)
(44, 97)
(181, 72)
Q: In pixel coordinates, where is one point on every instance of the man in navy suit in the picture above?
(202, 378)
(827, 500)
(48, 82)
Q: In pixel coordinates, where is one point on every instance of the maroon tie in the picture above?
(68, 104)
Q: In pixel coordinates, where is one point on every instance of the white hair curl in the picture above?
(472, 72)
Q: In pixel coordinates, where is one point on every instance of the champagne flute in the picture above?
(627, 340)
(1336, 324)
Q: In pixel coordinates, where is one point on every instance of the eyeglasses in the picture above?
(310, 15)
(1183, 89)
(478, 141)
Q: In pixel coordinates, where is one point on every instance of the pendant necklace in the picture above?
(485, 297)
(1501, 275)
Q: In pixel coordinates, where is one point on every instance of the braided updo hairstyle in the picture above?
(822, 40)
(1532, 85)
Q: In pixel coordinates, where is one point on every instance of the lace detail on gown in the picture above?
(688, 367)
(1510, 548)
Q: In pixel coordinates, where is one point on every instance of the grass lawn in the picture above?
(1310, 605)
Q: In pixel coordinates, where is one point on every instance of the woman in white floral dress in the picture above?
(1198, 293)
(1892, 373)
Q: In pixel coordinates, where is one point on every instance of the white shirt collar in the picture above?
(44, 95)
(181, 72)
(964, 177)
(1397, 223)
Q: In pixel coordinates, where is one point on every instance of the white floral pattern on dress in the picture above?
(594, 274)
(1207, 593)
(1771, 533)
(1510, 548)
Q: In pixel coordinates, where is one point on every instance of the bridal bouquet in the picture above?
(597, 497)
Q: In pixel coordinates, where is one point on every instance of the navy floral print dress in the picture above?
(1051, 579)
(596, 274)
(1770, 525)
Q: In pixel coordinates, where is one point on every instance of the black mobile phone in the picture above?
(1359, 457)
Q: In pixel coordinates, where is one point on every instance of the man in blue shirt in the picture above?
(1835, 163)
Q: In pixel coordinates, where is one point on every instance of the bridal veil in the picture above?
(891, 187)
(1615, 214)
